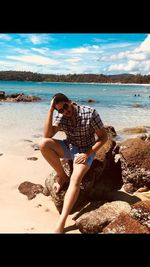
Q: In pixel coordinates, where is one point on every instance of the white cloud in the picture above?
(5, 63)
(5, 37)
(93, 49)
(19, 66)
(79, 50)
(134, 61)
(37, 39)
(121, 55)
(145, 45)
(42, 51)
(34, 59)
(8, 65)
(73, 60)
(139, 56)
(131, 66)
(21, 51)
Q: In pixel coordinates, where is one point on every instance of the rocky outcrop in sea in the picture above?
(17, 97)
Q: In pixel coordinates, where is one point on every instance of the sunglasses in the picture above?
(65, 107)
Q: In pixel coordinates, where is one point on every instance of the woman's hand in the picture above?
(81, 158)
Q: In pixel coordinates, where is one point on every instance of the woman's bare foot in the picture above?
(59, 229)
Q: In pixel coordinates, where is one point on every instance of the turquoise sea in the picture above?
(119, 105)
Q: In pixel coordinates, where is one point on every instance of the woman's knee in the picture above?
(45, 143)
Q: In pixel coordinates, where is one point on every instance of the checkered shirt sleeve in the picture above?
(96, 121)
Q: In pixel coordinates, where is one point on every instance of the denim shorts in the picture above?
(72, 152)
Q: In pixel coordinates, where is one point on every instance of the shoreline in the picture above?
(117, 83)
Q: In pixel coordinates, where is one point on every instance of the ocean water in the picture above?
(118, 105)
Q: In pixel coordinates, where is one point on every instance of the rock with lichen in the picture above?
(141, 212)
(96, 220)
(125, 224)
(135, 164)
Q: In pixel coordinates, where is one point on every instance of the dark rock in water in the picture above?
(135, 164)
(30, 189)
(32, 158)
(2, 95)
(14, 95)
(18, 97)
(27, 98)
(89, 100)
(137, 105)
(134, 130)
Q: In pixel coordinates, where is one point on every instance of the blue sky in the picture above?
(76, 53)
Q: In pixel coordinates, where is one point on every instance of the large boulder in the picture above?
(141, 212)
(116, 217)
(137, 221)
(96, 220)
(105, 171)
(125, 224)
(135, 164)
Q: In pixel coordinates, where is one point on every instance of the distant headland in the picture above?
(82, 78)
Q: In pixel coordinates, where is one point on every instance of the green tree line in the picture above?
(85, 78)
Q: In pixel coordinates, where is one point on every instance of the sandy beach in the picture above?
(18, 214)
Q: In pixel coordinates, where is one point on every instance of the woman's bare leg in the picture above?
(71, 195)
(52, 151)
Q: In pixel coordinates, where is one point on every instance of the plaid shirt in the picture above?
(81, 132)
